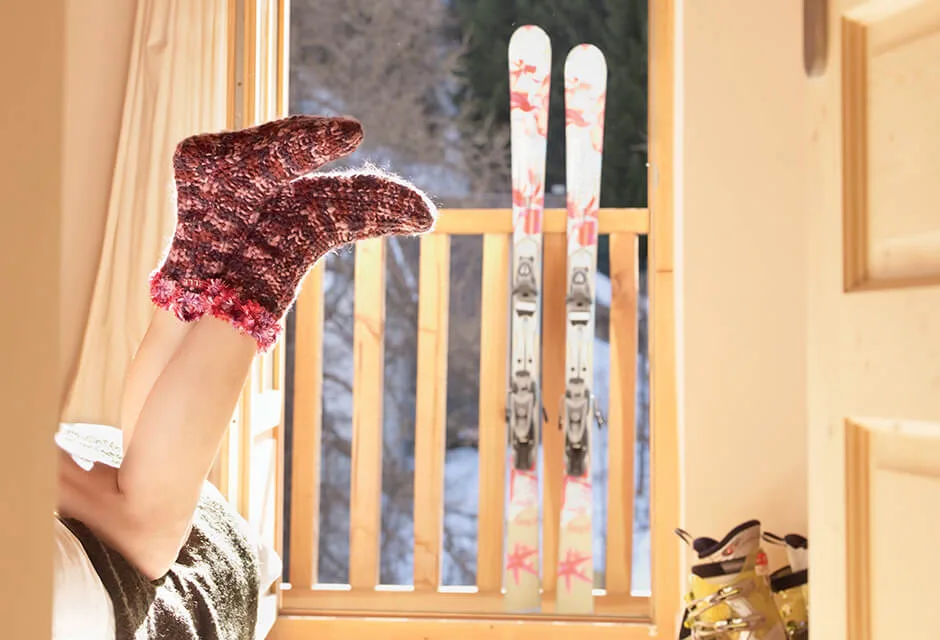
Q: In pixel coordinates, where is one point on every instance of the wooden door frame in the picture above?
(33, 47)
(664, 427)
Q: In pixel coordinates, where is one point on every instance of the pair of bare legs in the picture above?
(182, 387)
(253, 219)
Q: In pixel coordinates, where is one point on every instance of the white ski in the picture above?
(529, 81)
(585, 98)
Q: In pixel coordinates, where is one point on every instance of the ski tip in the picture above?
(585, 56)
(530, 37)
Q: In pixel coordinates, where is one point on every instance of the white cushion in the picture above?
(81, 606)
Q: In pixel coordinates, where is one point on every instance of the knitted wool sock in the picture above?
(309, 218)
(222, 180)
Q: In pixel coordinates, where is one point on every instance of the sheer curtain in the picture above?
(177, 85)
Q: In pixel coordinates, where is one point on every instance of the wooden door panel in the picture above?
(892, 480)
(891, 144)
(905, 556)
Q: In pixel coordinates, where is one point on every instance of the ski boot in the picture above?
(790, 585)
(730, 596)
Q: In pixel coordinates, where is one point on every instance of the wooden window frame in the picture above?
(258, 58)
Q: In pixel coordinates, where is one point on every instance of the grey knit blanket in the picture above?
(210, 593)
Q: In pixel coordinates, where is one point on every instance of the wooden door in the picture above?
(873, 273)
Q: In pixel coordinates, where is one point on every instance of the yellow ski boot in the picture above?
(729, 596)
(790, 585)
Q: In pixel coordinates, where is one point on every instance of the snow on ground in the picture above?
(602, 290)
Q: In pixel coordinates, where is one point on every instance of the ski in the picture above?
(529, 82)
(585, 97)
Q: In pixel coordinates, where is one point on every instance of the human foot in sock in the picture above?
(309, 218)
(222, 181)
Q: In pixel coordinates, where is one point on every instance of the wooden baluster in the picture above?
(553, 386)
(368, 382)
(431, 409)
(307, 434)
(621, 420)
(494, 340)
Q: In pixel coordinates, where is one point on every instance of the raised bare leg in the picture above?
(187, 410)
(163, 338)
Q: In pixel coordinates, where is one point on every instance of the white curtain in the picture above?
(177, 85)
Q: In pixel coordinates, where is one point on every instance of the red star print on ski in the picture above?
(570, 568)
(521, 559)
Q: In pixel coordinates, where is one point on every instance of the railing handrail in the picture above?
(482, 221)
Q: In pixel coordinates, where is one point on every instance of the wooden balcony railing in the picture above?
(363, 593)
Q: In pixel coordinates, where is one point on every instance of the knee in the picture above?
(147, 536)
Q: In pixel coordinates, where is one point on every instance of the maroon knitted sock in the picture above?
(222, 180)
(308, 218)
